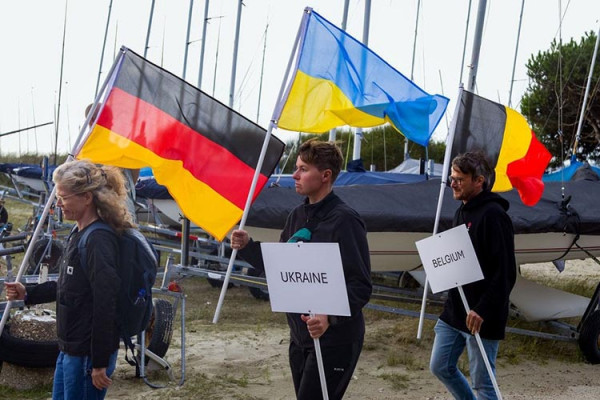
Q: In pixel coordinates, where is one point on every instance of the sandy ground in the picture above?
(251, 363)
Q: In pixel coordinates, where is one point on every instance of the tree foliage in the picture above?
(382, 146)
(553, 100)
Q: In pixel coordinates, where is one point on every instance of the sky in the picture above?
(428, 49)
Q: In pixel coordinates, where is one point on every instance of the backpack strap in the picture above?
(82, 244)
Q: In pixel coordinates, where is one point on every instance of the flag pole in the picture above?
(445, 168)
(263, 151)
(52, 196)
(481, 348)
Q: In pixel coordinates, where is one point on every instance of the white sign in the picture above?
(306, 278)
(449, 259)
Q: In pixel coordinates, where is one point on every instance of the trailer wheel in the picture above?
(160, 329)
(39, 255)
(589, 338)
(27, 353)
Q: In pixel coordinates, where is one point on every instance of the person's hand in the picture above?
(239, 239)
(474, 322)
(317, 325)
(99, 378)
(14, 291)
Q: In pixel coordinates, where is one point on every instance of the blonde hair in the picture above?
(105, 183)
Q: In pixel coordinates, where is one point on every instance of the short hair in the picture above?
(474, 163)
(323, 155)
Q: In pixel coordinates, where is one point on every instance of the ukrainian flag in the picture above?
(339, 81)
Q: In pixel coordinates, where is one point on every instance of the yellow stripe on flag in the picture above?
(318, 105)
(106, 147)
(515, 142)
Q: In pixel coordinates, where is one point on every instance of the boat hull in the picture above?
(396, 251)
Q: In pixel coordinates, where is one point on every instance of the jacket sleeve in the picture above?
(500, 264)
(42, 293)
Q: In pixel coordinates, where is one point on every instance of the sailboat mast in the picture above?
(358, 135)
(412, 68)
(203, 46)
(585, 96)
(332, 131)
(62, 63)
(512, 78)
(476, 45)
(262, 71)
(235, 53)
(187, 39)
(103, 48)
(149, 29)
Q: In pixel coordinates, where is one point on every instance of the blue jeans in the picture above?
(73, 378)
(448, 345)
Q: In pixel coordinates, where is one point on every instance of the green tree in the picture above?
(382, 146)
(545, 105)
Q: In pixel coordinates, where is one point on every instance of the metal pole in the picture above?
(512, 78)
(446, 167)
(585, 96)
(62, 63)
(149, 28)
(274, 118)
(476, 46)
(205, 22)
(412, 69)
(332, 131)
(187, 39)
(358, 135)
(235, 53)
(103, 47)
(262, 71)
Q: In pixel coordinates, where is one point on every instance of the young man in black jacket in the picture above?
(323, 217)
(491, 232)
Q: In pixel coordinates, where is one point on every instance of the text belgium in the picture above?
(447, 259)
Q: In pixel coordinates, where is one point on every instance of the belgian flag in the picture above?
(517, 157)
(205, 153)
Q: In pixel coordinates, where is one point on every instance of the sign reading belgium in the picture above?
(449, 259)
(306, 278)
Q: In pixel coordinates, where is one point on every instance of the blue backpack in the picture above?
(138, 264)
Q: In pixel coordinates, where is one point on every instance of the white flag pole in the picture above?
(320, 366)
(263, 151)
(481, 348)
(52, 196)
(445, 168)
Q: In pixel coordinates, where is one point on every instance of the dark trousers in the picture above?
(338, 362)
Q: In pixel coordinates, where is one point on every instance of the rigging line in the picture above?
(245, 78)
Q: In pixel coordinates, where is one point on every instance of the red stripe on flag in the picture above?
(148, 126)
(525, 174)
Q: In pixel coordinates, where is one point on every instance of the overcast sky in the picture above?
(31, 42)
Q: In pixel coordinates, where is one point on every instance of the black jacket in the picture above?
(86, 301)
(492, 235)
(330, 220)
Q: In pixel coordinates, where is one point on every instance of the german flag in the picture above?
(518, 158)
(203, 152)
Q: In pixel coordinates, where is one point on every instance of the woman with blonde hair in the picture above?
(86, 298)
